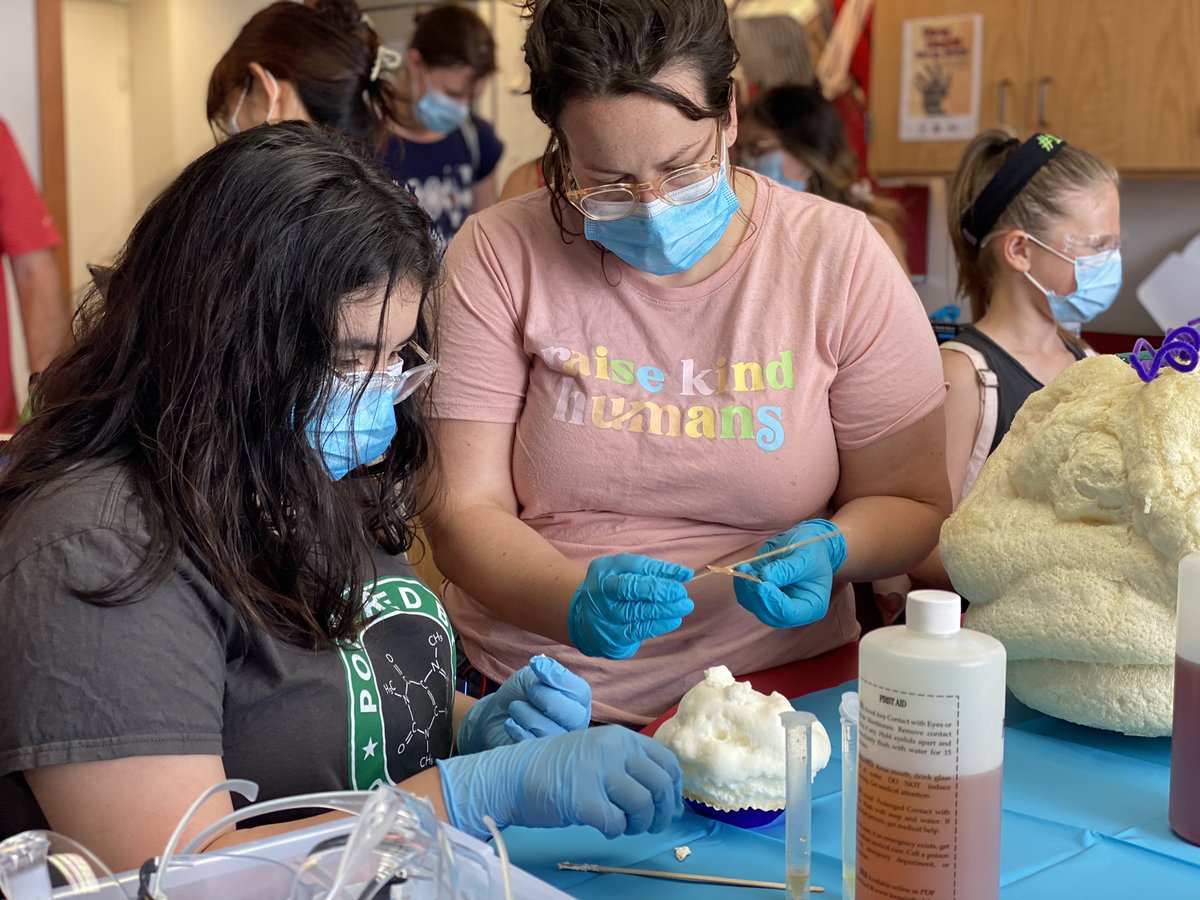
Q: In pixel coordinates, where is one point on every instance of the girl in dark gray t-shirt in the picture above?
(203, 528)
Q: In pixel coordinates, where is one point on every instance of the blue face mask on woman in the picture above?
(663, 238)
(1097, 283)
(770, 165)
(439, 112)
(348, 434)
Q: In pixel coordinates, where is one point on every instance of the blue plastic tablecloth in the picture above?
(1085, 816)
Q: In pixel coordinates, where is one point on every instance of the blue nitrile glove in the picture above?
(614, 779)
(542, 699)
(796, 585)
(625, 599)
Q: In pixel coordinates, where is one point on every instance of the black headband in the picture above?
(997, 194)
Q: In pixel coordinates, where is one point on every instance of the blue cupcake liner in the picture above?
(742, 818)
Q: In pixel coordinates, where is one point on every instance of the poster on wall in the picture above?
(940, 74)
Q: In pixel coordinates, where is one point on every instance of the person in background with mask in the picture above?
(1036, 230)
(661, 362)
(793, 135)
(320, 62)
(204, 525)
(442, 151)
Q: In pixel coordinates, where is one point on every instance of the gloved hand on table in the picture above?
(542, 699)
(614, 779)
(625, 599)
(795, 585)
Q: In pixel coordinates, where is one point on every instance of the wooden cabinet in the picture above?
(1121, 79)
(1006, 27)
(1126, 86)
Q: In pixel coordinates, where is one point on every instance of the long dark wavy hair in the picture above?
(581, 48)
(206, 354)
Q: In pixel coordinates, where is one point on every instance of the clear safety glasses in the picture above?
(1098, 249)
(678, 187)
(401, 378)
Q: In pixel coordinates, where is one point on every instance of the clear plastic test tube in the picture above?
(798, 728)
(849, 715)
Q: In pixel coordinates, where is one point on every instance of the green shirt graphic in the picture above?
(400, 683)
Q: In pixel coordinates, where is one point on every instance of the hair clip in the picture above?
(386, 60)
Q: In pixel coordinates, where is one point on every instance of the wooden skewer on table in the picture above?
(731, 567)
(681, 876)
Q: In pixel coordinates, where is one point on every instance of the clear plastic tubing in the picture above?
(849, 715)
(798, 728)
(23, 869)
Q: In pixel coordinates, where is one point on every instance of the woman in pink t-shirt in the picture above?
(660, 362)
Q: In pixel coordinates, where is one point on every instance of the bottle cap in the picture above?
(848, 709)
(933, 612)
(1187, 621)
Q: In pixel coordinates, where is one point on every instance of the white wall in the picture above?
(98, 109)
(136, 75)
(175, 44)
(523, 134)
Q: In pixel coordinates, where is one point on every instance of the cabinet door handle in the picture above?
(1002, 101)
(1043, 86)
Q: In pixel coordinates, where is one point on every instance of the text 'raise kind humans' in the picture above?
(703, 417)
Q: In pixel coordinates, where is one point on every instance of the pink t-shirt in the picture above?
(684, 423)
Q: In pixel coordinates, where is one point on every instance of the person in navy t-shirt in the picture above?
(410, 110)
(441, 151)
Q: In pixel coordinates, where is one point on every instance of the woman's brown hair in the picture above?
(581, 48)
(453, 35)
(1034, 209)
(811, 129)
(328, 51)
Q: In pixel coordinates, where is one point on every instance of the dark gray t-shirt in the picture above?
(175, 673)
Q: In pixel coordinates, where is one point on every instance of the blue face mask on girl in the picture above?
(1097, 283)
(348, 434)
(770, 165)
(439, 112)
(664, 238)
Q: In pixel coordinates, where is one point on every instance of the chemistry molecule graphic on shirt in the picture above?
(400, 679)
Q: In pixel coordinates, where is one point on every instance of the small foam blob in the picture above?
(730, 744)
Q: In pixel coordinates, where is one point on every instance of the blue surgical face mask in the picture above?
(1097, 283)
(439, 112)
(348, 434)
(770, 165)
(664, 239)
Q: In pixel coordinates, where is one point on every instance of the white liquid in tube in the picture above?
(798, 728)
(848, 712)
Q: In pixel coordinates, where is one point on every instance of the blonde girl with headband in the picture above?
(1036, 229)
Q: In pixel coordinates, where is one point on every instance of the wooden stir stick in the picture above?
(729, 569)
(680, 876)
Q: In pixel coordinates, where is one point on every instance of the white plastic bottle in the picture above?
(930, 757)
